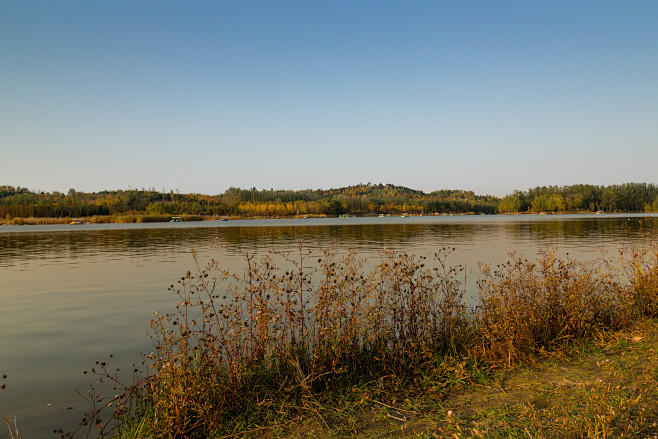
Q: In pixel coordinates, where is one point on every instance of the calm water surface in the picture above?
(71, 295)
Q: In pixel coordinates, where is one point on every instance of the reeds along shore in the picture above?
(243, 348)
(98, 219)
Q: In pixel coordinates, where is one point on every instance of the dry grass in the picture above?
(98, 219)
(608, 390)
(18, 221)
(317, 335)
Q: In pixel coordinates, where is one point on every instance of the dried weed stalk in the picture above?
(253, 348)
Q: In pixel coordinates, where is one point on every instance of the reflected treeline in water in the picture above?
(594, 228)
(19, 248)
(578, 234)
(160, 243)
(356, 236)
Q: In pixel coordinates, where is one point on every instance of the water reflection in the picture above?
(146, 241)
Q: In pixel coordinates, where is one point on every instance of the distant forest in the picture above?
(362, 199)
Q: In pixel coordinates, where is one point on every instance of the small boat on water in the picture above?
(77, 221)
(405, 215)
(223, 219)
(176, 219)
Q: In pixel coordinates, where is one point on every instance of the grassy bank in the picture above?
(100, 219)
(137, 218)
(604, 388)
(321, 343)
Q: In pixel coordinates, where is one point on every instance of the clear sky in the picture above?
(199, 96)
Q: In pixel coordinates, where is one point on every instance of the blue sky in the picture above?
(204, 95)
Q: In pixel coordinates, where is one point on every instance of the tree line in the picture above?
(362, 199)
(628, 197)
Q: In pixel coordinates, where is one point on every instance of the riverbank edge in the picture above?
(587, 390)
(604, 387)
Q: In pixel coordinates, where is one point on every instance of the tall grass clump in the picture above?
(641, 268)
(241, 347)
(288, 328)
(254, 348)
(527, 306)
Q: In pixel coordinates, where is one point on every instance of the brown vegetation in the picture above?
(301, 333)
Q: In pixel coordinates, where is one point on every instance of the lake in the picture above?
(71, 295)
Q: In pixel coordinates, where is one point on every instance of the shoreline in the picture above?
(128, 219)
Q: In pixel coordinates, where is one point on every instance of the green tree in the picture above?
(555, 203)
(160, 208)
(510, 204)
